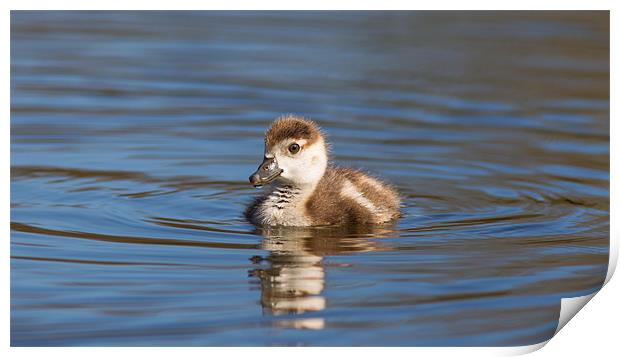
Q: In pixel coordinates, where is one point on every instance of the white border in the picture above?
(598, 326)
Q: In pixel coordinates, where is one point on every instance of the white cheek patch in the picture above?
(305, 167)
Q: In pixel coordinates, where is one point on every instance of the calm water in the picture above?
(133, 134)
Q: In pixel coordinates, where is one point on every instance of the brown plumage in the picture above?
(290, 126)
(327, 206)
(310, 192)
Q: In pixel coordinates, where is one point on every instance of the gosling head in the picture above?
(295, 153)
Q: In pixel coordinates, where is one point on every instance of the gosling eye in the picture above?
(293, 148)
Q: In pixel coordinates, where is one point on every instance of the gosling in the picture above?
(306, 190)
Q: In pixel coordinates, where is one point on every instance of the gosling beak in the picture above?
(266, 172)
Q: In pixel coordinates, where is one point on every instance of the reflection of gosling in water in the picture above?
(307, 190)
(293, 283)
(292, 278)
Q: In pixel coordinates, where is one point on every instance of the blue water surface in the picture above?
(133, 134)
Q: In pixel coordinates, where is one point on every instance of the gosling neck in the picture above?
(299, 189)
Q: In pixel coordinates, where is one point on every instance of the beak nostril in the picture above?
(269, 166)
(266, 172)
